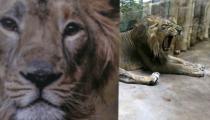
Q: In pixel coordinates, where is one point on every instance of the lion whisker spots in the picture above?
(17, 96)
(15, 82)
(18, 89)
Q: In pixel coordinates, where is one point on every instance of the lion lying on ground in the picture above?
(146, 46)
(58, 59)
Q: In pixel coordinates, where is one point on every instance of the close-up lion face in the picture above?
(54, 56)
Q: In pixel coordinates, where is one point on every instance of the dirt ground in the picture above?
(176, 97)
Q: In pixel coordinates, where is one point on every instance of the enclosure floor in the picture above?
(176, 97)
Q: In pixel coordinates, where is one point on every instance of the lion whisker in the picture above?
(78, 94)
(17, 96)
(19, 89)
(73, 100)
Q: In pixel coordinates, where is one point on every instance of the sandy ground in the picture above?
(176, 97)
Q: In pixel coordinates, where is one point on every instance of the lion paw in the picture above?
(155, 77)
(197, 72)
(201, 67)
(196, 66)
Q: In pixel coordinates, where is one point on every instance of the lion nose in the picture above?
(40, 73)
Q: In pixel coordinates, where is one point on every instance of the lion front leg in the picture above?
(179, 66)
(128, 77)
(187, 63)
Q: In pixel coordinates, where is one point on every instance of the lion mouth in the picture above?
(38, 101)
(167, 42)
(41, 100)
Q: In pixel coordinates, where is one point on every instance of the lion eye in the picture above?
(9, 24)
(72, 29)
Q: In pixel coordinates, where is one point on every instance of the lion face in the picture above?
(170, 30)
(54, 56)
(164, 29)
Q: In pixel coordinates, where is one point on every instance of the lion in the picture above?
(147, 46)
(58, 59)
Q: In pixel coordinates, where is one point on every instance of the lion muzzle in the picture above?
(40, 73)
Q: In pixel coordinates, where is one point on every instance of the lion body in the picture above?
(129, 59)
(58, 60)
(146, 46)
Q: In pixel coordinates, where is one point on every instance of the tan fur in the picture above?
(87, 59)
(146, 45)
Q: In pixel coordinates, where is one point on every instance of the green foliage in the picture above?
(127, 6)
(130, 13)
